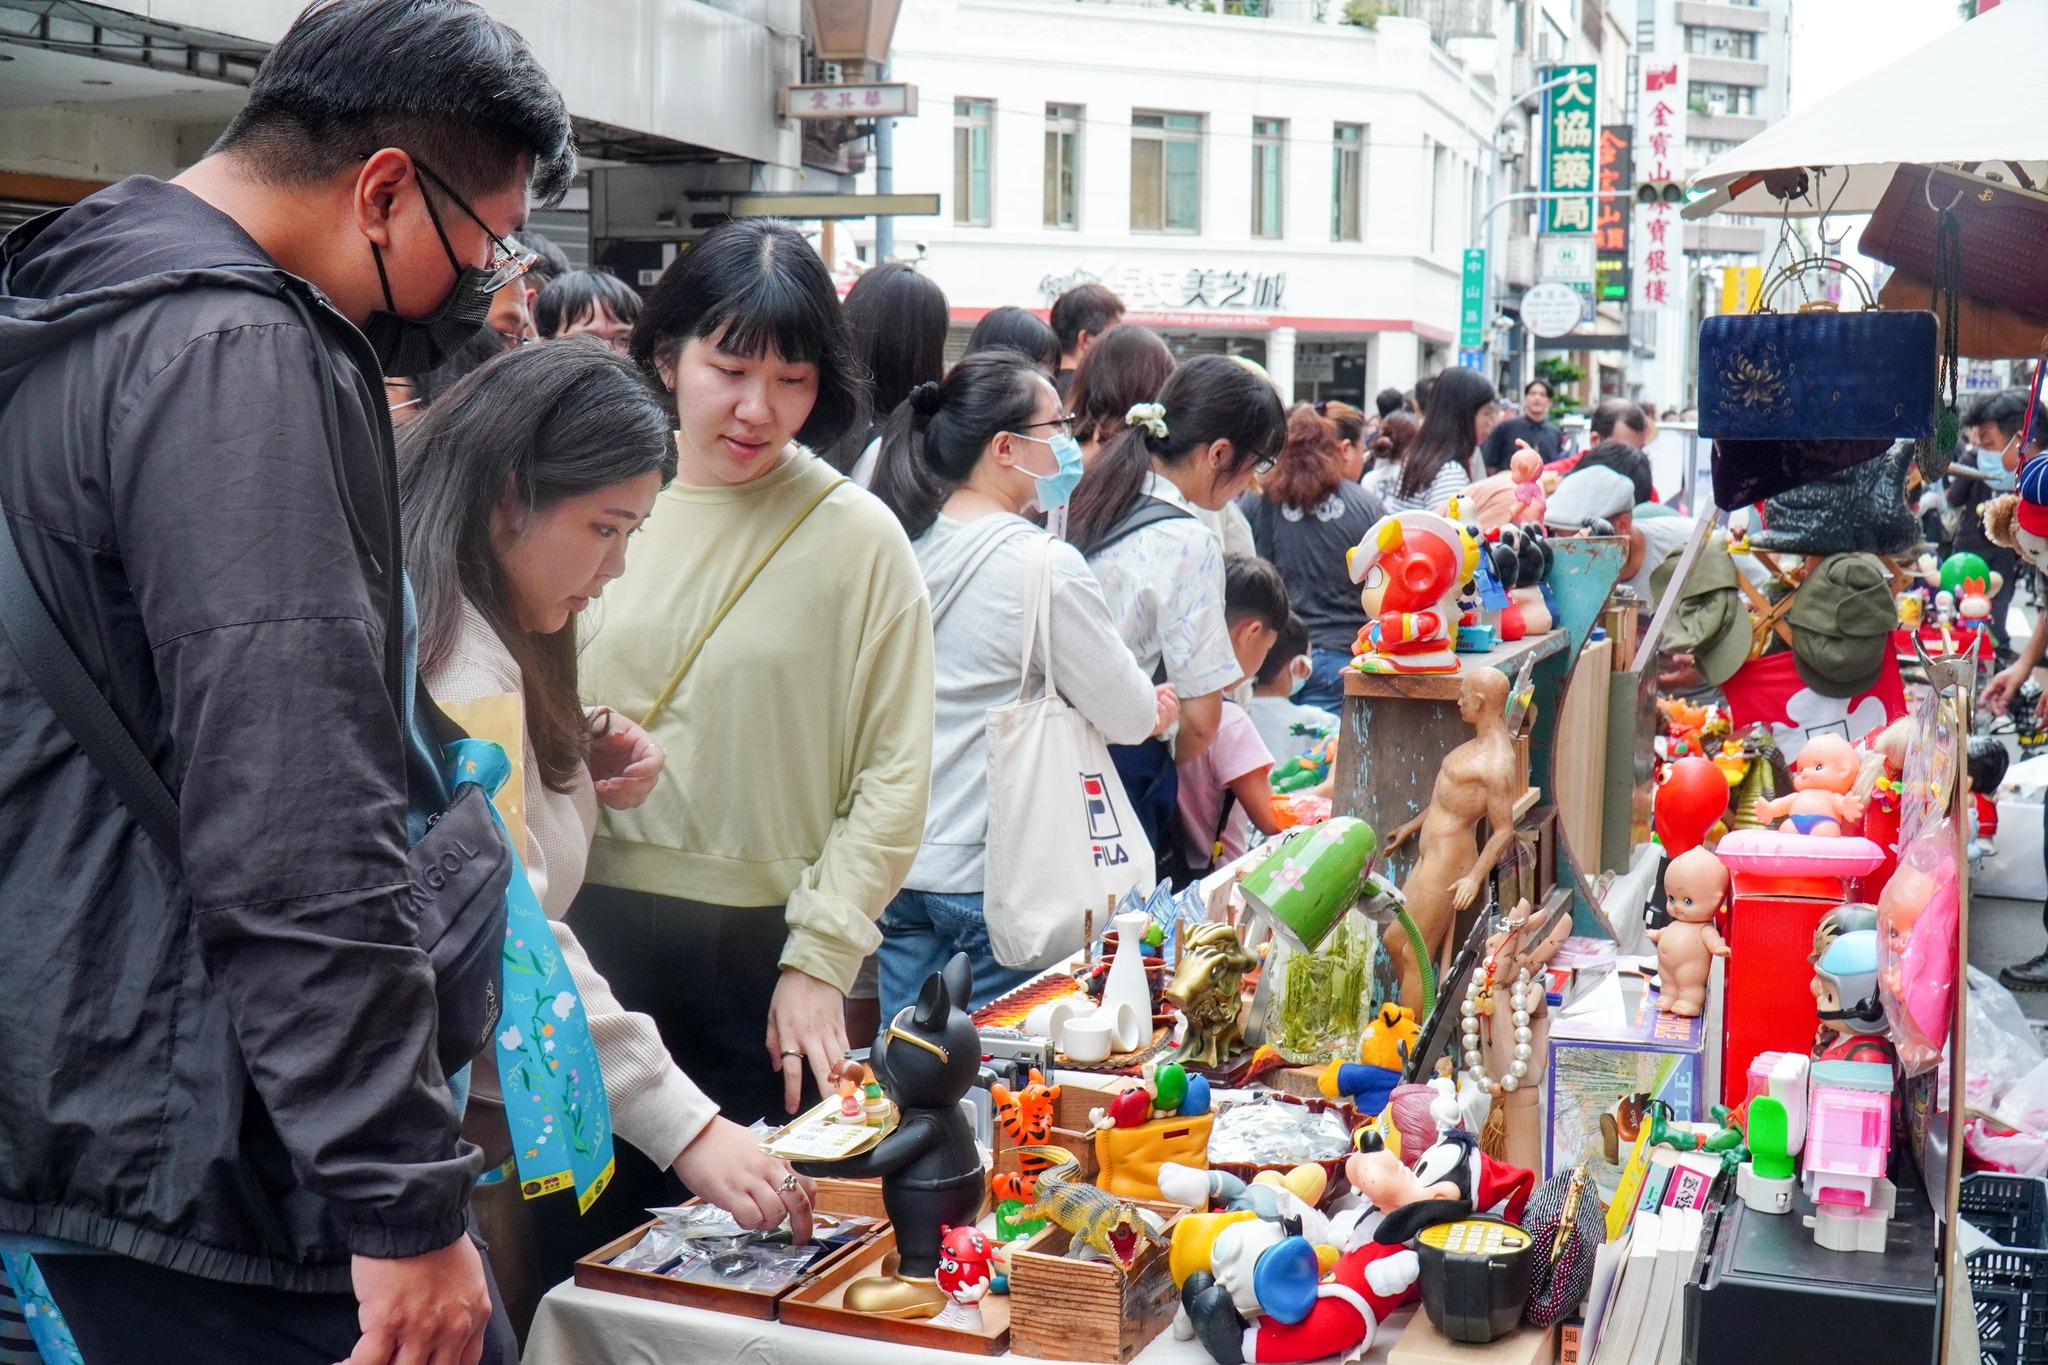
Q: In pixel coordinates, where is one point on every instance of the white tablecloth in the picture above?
(591, 1327)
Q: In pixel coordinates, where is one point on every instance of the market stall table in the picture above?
(590, 1327)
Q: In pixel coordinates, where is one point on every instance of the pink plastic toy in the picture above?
(1526, 467)
(1767, 862)
(1848, 1140)
(1916, 926)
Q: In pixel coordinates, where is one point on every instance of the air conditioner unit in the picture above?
(1521, 262)
(1514, 142)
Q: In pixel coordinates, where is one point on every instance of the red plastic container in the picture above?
(1769, 1002)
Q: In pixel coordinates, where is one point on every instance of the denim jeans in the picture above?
(1325, 687)
(921, 930)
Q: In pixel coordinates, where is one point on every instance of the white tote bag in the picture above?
(1062, 837)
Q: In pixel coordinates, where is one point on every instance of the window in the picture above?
(1347, 183)
(973, 155)
(1720, 42)
(1709, 97)
(1062, 165)
(1439, 193)
(1269, 157)
(1166, 172)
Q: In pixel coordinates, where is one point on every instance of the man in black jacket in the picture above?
(228, 1134)
(1531, 424)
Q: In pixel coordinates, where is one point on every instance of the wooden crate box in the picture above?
(1062, 1309)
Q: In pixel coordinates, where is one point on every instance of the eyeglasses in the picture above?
(1063, 424)
(1265, 465)
(925, 1043)
(509, 260)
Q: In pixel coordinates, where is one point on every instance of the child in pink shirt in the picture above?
(1225, 791)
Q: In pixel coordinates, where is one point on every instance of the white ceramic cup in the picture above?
(1087, 1038)
(1129, 1029)
(1045, 1021)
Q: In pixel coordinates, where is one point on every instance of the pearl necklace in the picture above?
(1522, 1000)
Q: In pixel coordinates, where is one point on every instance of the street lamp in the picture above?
(1500, 113)
(851, 30)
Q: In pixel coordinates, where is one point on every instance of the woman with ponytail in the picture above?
(1133, 516)
(961, 462)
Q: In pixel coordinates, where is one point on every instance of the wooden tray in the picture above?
(595, 1271)
(1089, 1310)
(817, 1303)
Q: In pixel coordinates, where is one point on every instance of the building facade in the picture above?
(1255, 178)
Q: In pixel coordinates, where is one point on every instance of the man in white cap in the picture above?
(1597, 500)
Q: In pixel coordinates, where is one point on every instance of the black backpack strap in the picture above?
(83, 709)
(1145, 511)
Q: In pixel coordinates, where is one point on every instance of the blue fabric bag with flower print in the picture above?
(1818, 373)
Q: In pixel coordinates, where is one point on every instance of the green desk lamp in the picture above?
(1320, 874)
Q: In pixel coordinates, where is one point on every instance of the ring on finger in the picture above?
(791, 1185)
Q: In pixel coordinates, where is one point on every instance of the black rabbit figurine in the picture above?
(926, 1058)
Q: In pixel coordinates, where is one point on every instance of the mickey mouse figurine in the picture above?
(1258, 1270)
(926, 1059)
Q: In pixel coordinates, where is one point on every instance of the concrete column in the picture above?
(1280, 361)
(1396, 362)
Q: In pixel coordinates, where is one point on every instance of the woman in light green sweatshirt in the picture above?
(736, 904)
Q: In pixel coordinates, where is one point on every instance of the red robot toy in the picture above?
(1409, 565)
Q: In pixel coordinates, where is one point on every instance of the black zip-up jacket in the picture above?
(225, 1067)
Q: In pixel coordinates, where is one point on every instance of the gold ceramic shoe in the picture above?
(888, 1296)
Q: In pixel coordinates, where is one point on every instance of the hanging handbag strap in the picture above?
(1037, 616)
(55, 668)
(731, 600)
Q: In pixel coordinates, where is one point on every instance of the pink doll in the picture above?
(1527, 468)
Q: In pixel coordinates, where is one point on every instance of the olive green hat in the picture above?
(1841, 624)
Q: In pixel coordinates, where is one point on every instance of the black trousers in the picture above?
(122, 1311)
(706, 975)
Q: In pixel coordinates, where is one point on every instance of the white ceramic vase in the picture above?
(1126, 984)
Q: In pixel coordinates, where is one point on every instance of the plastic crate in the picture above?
(2010, 1209)
(2009, 1284)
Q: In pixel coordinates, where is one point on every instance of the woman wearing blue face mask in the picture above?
(961, 463)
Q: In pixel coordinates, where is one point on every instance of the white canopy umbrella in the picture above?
(1974, 94)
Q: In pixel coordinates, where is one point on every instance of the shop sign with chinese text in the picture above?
(1659, 154)
(1472, 310)
(887, 100)
(1613, 210)
(1570, 140)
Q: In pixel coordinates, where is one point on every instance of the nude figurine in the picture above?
(1823, 778)
(1476, 781)
(1695, 888)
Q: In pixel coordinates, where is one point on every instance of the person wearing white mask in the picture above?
(1288, 726)
(961, 462)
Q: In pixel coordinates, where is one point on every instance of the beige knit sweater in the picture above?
(654, 1105)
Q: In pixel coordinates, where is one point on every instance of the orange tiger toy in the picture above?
(1025, 1117)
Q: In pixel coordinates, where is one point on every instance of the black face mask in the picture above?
(407, 347)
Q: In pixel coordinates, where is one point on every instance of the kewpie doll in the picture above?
(1822, 800)
(1526, 467)
(1696, 887)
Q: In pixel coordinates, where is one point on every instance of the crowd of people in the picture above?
(753, 557)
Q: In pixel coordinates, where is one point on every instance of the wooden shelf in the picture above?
(1508, 658)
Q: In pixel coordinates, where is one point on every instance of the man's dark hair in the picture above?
(1619, 412)
(440, 79)
(572, 298)
(1292, 644)
(757, 286)
(1254, 590)
(1543, 384)
(2007, 410)
(551, 263)
(1424, 387)
(1086, 308)
(1389, 402)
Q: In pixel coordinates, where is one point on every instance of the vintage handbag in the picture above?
(1130, 1158)
(1862, 509)
(2004, 230)
(1984, 331)
(1569, 1225)
(1817, 373)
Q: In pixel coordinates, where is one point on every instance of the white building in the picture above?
(1290, 188)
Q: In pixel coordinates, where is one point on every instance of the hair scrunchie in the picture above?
(925, 402)
(1151, 416)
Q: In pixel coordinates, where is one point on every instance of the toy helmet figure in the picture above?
(1843, 919)
(1419, 558)
(1845, 984)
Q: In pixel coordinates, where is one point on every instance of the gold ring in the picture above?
(792, 1052)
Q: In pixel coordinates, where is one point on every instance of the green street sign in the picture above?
(1472, 312)
(1570, 141)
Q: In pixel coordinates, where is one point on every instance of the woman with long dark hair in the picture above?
(519, 490)
(773, 637)
(962, 461)
(1214, 425)
(897, 319)
(1127, 365)
(1461, 414)
(1305, 515)
(1020, 330)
